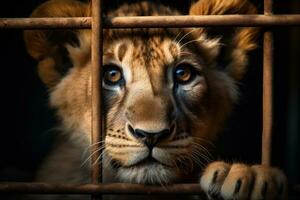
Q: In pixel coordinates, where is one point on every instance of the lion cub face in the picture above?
(158, 101)
(163, 103)
(164, 98)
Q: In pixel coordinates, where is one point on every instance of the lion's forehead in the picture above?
(144, 58)
(142, 8)
(148, 49)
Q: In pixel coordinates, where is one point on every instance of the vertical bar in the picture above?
(267, 90)
(96, 48)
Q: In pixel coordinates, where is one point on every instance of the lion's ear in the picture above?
(236, 42)
(51, 48)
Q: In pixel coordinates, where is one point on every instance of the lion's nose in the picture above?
(150, 139)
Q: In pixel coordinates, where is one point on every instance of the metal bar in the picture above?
(268, 7)
(137, 22)
(153, 21)
(114, 188)
(96, 43)
(96, 91)
(204, 20)
(45, 23)
(267, 98)
(267, 90)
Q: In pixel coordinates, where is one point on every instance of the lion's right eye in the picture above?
(112, 75)
(184, 73)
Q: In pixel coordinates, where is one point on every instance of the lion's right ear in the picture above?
(51, 48)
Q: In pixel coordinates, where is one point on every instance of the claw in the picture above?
(238, 185)
(216, 173)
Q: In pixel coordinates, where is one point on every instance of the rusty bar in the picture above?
(268, 7)
(267, 99)
(96, 43)
(113, 188)
(96, 189)
(204, 20)
(153, 21)
(96, 91)
(267, 90)
(45, 23)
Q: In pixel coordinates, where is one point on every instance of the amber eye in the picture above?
(112, 75)
(183, 73)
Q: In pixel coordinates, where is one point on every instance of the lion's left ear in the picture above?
(237, 41)
(58, 50)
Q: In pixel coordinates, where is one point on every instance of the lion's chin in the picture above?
(147, 173)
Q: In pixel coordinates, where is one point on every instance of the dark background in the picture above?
(26, 122)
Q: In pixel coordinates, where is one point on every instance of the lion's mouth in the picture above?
(147, 161)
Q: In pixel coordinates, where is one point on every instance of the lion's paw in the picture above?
(221, 180)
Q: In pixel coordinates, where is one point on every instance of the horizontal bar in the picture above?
(204, 20)
(153, 21)
(46, 23)
(114, 188)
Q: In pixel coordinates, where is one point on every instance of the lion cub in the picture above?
(165, 99)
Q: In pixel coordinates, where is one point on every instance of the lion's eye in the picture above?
(184, 73)
(112, 75)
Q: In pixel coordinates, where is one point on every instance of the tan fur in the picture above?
(222, 178)
(243, 40)
(150, 99)
(43, 44)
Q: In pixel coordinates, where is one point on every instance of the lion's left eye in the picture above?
(184, 73)
(112, 75)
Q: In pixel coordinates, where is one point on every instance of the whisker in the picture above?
(203, 161)
(185, 53)
(197, 161)
(99, 157)
(203, 156)
(185, 36)
(191, 41)
(203, 140)
(201, 147)
(181, 159)
(176, 36)
(208, 157)
(91, 145)
(107, 162)
(90, 156)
